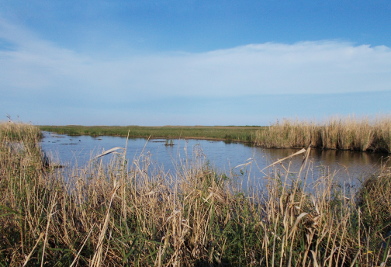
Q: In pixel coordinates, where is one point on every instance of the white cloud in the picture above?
(38, 66)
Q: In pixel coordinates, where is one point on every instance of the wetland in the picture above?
(227, 200)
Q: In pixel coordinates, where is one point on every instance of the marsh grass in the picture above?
(133, 214)
(337, 133)
(348, 133)
(227, 133)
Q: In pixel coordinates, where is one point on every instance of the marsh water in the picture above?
(232, 159)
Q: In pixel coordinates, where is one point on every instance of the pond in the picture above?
(232, 159)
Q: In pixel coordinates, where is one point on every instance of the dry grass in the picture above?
(132, 214)
(337, 133)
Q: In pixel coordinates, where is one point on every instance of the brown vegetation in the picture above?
(344, 134)
(132, 214)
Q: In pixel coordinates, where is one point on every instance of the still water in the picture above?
(233, 159)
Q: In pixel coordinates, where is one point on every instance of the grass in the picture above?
(338, 133)
(228, 133)
(132, 214)
(347, 133)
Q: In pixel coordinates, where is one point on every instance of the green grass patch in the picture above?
(227, 133)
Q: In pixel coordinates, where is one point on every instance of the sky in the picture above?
(193, 62)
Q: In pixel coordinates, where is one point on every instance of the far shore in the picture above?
(337, 133)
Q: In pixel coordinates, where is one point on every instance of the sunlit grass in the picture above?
(135, 214)
(337, 133)
(348, 133)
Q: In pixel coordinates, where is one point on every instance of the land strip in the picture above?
(226, 133)
(336, 133)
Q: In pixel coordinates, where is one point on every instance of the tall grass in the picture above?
(135, 214)
(337, 133)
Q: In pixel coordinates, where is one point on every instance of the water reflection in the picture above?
(245, 162)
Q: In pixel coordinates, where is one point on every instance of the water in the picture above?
(233, 159)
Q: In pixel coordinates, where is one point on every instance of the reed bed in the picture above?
(135, 214)
(337, 133)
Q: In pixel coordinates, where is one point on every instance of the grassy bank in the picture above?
(126, 214)
(228, 133)
(345, 134)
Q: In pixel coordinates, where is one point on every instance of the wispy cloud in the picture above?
(305, 67)
(30, 65)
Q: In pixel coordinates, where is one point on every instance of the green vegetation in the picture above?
(129, 214)
(228, 133)
(344, 134)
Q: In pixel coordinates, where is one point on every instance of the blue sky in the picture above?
(190, 62)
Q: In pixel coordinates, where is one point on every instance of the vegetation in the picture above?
(129, 214)
(228, 133)
(344, 134)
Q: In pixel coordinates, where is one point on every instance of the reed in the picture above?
(337, 133)
(132, 213)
